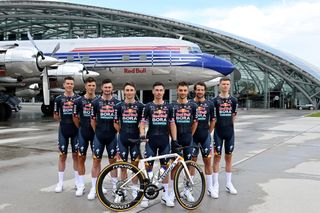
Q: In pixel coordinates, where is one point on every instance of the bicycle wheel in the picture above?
(120, 196)
(189, 195)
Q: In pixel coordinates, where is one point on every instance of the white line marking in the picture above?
(5, 131)
(14, 140)
(68, 185)
(250, 155)
(5, 205)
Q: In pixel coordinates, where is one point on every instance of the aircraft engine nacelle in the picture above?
(24, 62)
(77, 71)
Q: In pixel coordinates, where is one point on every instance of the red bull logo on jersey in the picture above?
(159, 117)
(225, 109)
(67, 108)
(183, 116)
(130, 116)
(107, 112)
(87, 110)
(201, 113)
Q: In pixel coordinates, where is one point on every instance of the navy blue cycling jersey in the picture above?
(63, 106)
(225, 109)
(185, 115)
(159, 116)
(129, 116)
(82, 109)
(104, 111)
(205, 114)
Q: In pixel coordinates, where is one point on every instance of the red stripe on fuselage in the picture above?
(96, 49)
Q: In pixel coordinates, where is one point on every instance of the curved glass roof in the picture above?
(52, 20)
(300, 63)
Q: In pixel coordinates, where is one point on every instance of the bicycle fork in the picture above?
(175, 162)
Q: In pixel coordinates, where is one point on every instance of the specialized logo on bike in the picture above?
(183, 115)
(67, 108)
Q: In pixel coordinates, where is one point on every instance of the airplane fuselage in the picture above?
(142, 60)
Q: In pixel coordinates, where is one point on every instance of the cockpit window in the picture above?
(195, 50)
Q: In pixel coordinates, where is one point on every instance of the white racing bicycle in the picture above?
(133, 183)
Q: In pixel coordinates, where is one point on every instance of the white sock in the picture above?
(61, 175)
(209, 181)
(76, 177)
(136, 187)
(215, 178)
(81, 180)
(228, 176)
(93, 183)
(170, 185)
(165, 186)
(150, 175)
(192, 177)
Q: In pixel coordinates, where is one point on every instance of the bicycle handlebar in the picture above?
(138, 141)
(185, 147)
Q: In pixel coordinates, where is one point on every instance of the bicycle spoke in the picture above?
(189, 195)
(127, 191)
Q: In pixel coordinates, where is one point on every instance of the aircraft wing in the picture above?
(8, 46)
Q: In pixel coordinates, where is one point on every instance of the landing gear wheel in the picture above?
(2, 112)
(8, 112)
(47, 110)
(5, 112)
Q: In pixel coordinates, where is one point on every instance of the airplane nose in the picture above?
(47, 61)
(92, 74)
(218, 64)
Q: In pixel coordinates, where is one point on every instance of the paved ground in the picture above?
(276, 166)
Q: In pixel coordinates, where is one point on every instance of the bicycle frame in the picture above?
(178, 159)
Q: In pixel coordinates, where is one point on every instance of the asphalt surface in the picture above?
(276, 166)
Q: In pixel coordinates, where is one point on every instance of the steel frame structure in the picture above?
(52, 20)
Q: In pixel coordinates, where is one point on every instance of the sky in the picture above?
(292, 26)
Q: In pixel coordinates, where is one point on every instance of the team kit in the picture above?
(102, 122)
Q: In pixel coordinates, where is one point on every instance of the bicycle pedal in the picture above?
(161, 188)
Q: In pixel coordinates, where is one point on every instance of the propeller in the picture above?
(34, 44)
(56, 48)
(82, 61)
(44, 63)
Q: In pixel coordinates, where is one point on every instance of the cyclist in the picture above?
(202, 137)
(63, 110)
(127, 118)
(102, 117)
(185, 115)
(225, 113)
(81, 118)
(159, 116)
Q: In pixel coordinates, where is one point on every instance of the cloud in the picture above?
(292, 27)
